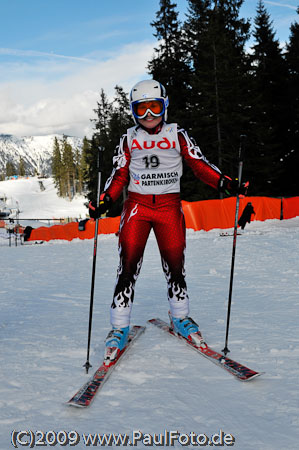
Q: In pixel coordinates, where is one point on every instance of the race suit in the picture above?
(151, 166)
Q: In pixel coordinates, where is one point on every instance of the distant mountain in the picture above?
(36, 151)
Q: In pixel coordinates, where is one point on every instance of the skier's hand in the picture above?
(231, 187)
(96, 211)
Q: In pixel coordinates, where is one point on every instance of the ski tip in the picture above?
(76, 405)
(139, 327)
(252, 377)
(152, 320)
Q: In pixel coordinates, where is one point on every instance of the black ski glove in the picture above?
(231, 187)
(95, 211)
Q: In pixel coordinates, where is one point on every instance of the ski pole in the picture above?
(87, 365)
(241, 157)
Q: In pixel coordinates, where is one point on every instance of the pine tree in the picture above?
(57, 167)
(289, 179)
(21, 171)
(103, 112)
(220, 87)
(101, 138)
(120, 117)
(68, 165)
(65, 167)
(78, 170)
(86, 162)
(270, 115)
(10, 169)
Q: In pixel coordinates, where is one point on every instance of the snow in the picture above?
(161, 384)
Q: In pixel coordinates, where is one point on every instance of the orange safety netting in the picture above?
(202, 215)
(290, 207)
(71, 231)
(209, 214)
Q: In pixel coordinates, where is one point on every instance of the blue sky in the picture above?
(56, 55)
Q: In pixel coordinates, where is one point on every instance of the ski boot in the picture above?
(115, 342)
(187, 328)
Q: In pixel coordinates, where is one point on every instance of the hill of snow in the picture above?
(36, 151)
(161, 384)
(36, 198)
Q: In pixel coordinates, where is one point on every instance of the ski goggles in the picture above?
(141, 108)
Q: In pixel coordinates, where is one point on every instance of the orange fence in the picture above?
(71, 231)
(290, 207)
(208, 214)
(202, 215)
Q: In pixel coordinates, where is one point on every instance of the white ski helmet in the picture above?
(148, 90)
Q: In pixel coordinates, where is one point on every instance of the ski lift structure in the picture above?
(10, 216)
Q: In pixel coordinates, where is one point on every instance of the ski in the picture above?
(86, 394)
(236, 369)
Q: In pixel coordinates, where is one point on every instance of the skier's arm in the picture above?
(202, 169)
(205, 171)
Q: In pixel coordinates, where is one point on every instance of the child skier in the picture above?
(149, 162)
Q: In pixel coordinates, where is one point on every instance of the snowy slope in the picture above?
(161, 385)
(36, 151)
(36, 198)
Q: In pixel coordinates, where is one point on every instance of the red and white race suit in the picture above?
(151, 166)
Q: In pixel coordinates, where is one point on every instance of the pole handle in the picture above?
(100, 170)
(100, 158)
(241, 157)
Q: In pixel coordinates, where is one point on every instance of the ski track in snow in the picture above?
(160, 384)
